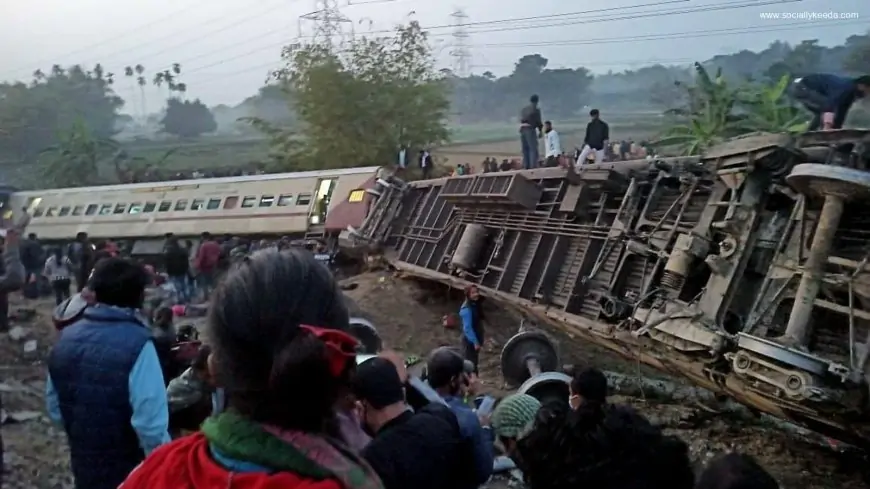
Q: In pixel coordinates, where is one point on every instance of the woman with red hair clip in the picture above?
(280, 352)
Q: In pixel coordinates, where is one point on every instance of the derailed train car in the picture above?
(312, 203)
(743, 271)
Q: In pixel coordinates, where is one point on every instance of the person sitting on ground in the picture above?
(588, 385)
(601, 446)
(105, 385)
(277, 327)
(735, 471)
(829, 97)
(445, 372)
(420, 450)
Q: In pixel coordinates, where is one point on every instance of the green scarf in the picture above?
(307, 455)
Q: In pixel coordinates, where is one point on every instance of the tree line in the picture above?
(353, 106)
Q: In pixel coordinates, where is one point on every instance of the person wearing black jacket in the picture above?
(84, 258)
(829, 97)
(421, 450)
(597, 138)
(177, 261)
(531, 125)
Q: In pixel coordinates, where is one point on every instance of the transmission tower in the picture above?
(326, 24)
(460, 52)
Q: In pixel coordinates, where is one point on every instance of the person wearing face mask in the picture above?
(445, 371)
(587, 386)
(420, 449)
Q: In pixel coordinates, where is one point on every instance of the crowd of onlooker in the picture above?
(275, 397)
(164, 175)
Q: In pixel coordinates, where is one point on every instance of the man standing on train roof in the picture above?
(829, 97)
(596, 139)
(531, 125)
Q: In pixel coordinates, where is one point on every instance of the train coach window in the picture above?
(267, 200)
(356, 196)
(120, 208)
(213, 204)
(303, 199)
(78, 210)
(149, 207)
(92, 209)
(50, 212)
(135, 208)
(231, 202)
(181, 204)
(106, 209)
(165, 206)
(64, 211)
(285, 200)
(248, 202)
(197, 204)
(38, 212)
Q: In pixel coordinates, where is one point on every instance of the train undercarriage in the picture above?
(745, 271)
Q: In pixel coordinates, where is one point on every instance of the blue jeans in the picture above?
(529, 142)
(180, 284)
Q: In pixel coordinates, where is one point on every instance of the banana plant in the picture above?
(769, 109)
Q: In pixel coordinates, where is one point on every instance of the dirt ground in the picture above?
(408, 315)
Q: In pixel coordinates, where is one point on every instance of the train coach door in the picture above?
(322, 197)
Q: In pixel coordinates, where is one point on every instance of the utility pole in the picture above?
(460, 52)
(326, 24)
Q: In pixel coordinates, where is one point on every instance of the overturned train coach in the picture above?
(745, 271)
(312, 204)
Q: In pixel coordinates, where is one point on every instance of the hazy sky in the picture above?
(227, 47)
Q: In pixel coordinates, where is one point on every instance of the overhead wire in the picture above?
(741, 4)
(473, 25)
(273, 65)
(122, 35)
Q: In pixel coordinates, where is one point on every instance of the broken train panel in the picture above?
(743, 271)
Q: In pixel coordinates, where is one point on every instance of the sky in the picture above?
(226, 48)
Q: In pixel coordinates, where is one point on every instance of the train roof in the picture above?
(213, 181)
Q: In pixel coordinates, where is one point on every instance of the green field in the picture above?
(214, 152)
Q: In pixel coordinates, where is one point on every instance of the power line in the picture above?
(122, 35)
(270, 9)
(649, 14)
(218, 77)
(205, 35)
(460, 52)
(329, 25)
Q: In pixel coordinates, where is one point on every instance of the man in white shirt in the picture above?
(554, 145)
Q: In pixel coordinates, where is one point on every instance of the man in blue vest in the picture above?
(105, 385)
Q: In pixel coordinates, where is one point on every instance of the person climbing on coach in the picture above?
(829, 97)
(420, 449)
(105, 384)
(473, 334)
(445, 371)
(277, 327)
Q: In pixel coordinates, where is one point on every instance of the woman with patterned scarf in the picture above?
(280, 352)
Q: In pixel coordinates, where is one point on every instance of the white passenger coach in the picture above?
(292, 204)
